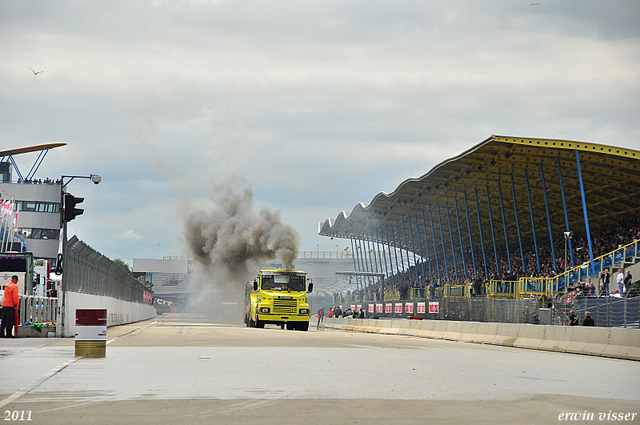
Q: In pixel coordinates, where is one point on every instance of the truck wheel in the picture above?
(303, 326)
(252, 324)
(259, 324)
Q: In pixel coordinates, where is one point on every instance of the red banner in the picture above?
(398, 307)
(371, 308)
(378, 308)
(388, 308)
(147, 297)
(421, 308)
(408, 308)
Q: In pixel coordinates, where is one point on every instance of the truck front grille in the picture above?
(285, 307)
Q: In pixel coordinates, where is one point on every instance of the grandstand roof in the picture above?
(611, 179)
(29, 149)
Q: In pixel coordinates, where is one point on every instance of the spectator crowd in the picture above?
(513, 264)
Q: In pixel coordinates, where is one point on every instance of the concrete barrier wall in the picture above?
(608, 342)
(118, 312)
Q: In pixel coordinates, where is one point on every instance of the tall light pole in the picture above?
(567, 236)
(67, 213)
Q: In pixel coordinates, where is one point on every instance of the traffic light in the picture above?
(70, 211)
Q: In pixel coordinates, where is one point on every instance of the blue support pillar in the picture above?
(424, 274)
(435, 247)
(388, 251)
(363, 258)
(533, 223)
(413, 247)
(566, 215)
(372, 251)
(406, 244)
(355, 263)
(383, 254)
(493, 234)
(395, 252)
(464, 264)
(546, 204)
(367, 252)
(473, 256)
(362, 261)
(444, 252)
(504, 226)
(586, 216)
(404, 279)
(484, 256)
(375, 259)
(387, 254)
(426, 244)
(515, 210)
(453, 251)
(376, 251)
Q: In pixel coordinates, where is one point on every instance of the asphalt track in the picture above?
(181, 369)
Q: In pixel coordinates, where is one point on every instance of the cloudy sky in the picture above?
(316, 105)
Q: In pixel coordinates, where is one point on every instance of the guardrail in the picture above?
(391, 295)
(551, 286)
(457, 291)
(502, 289)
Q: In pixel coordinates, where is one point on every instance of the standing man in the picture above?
(606, 279)
(627, 281)
(320, 317)
(573, 319)
(588, 320)
(620, 281)
(10, 304)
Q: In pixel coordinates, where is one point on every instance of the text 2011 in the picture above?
(17, 415)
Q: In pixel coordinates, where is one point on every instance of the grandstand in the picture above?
(529, 211)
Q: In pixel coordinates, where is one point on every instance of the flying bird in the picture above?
(35, 72)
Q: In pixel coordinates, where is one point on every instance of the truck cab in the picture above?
(278, 297)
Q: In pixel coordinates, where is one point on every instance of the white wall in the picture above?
(118, 312)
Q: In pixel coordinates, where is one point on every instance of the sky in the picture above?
(313, 105)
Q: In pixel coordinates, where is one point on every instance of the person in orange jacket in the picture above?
(10, 304)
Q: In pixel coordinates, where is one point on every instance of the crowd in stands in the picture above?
(45, 181)
(604, 240)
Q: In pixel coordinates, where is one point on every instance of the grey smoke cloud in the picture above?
(231, 236)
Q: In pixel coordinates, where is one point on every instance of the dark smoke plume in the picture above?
(229, 238)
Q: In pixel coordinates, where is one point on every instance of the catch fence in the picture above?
(606, 311)
(89, 272)
(616, 312)
(478, 309)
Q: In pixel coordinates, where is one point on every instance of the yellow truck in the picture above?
(278, 297)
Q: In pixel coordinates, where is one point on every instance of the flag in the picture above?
(15, 221)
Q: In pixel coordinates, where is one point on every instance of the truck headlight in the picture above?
(264, 309)
(304, 311)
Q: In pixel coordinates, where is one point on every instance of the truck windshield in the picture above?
(283, 282)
